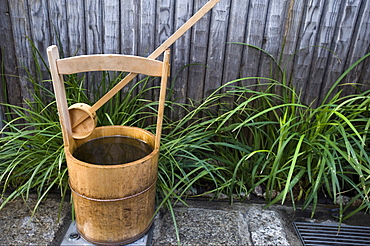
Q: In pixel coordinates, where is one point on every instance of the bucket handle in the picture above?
(162, 97)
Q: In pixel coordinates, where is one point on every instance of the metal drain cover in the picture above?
(72, 238)
(332, 234)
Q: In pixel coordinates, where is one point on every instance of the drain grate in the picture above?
(332, 234)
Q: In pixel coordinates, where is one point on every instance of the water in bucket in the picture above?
(112, 150)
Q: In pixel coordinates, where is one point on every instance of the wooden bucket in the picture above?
(114, 204)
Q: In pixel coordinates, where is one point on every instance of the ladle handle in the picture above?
(186, 26)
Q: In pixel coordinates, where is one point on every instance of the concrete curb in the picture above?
(199, 223)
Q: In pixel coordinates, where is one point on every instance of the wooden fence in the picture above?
(316, 40)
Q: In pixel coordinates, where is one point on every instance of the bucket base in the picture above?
(72, 237)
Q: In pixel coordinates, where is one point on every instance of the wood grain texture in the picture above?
(129, 27)
(111, 27)
(76, 28)
(236, 33)
(107, 62)
(8, 58)
(180, 55)
(359, 40)
(198, 54)
(23, 54)
(342, 36)
(254, 36)
(58, 24)
(94, 27)
(216, 46)
(124, 211)
(306, 41)
(322, 54)
(273, 42)
(293, 22)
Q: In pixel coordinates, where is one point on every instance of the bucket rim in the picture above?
(114, 166)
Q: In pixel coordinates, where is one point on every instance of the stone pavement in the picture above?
(199, 223)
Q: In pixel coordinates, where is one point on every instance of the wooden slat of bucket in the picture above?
(117, 222)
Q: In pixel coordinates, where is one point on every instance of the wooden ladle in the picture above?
(83, 117)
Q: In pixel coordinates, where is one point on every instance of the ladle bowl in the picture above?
(80, 111)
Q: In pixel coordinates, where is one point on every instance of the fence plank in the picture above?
(147, 27)
(274, 27)
(58, 25)
(254, 36)
(331, 13)
(180, 55)
(291, 31)
(129, 28)
(111, 27)
(363, 47)
(164, 20)
(130, 18)
(23, 54)
(198, 54)
(7, 48)
(94, 26)
(216, 46)
(76, 27)
(360, 40)
(39, 24)
(343, 37)
(306, 42)
(236, 33)
(41, 36)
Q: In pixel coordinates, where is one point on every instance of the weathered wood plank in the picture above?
(8, 58)
(306, 42)
(39, 24)
(58, 25)
(216, 46)
(147, 27)
(94, 26)
(360, 40)
(341, 45)
(363, 47)
(198, 54)
(129, 28)
(21, 33)
(321, 55)
(180, 55)
(76, 27)
(254, 36)
(147, 32)
(94, 40)
(164, 28)
(274, 31)
(41, 37)
(294, 15)
(164, 20)
(236, 33)
(111, 27)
